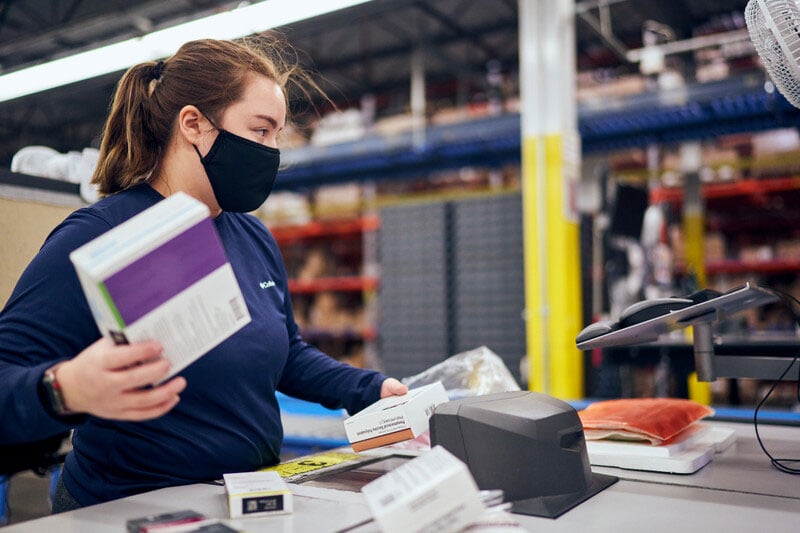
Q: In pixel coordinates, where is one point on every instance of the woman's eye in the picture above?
(262, 132)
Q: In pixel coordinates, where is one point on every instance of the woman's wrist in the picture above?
(53, 391)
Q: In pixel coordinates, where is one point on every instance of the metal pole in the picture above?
(704, 351)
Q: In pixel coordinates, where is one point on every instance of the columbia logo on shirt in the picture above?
(266, 284)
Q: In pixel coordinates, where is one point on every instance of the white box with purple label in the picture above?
(163, 275)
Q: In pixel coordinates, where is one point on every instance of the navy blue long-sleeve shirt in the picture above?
(228, 418)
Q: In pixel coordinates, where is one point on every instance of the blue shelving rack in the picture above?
(698, 111)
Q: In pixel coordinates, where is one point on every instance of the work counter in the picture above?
(738, 491)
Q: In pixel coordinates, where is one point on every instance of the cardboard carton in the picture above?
(394, 419)
(163, 275)
(257, 494)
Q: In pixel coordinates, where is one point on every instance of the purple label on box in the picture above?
(168, 270)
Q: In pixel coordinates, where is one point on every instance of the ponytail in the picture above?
(132, 140)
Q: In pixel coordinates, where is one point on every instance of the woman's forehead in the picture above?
(262, 97)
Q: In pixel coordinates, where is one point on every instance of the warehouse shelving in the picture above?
(325, 228)
(340, 283)
(17, 179)
(488, 141)
(345, 241)
(739, 188)
(745, 208)
(697, 111)
(318, 335)
(777, 266)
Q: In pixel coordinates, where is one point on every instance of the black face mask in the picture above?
(242, 172)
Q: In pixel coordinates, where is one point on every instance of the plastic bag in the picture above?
(472, 373)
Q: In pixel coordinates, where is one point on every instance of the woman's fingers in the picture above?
(147, 373)
(143, 404)
(120, 356)
(117, 381)
(392, 387)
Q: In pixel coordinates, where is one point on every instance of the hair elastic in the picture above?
(157, 70)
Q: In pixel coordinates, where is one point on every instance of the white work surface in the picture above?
(737, 491)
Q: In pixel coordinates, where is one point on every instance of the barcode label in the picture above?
(236, 307)
(262, 504)
(430, 409)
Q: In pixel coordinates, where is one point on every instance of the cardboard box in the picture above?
(394, 419)
(257, 494)
(163, 275)
(434, 492)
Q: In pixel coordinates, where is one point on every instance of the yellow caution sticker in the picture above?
(311, 463)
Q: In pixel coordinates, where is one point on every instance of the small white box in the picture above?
(434, 492)
(163, 275)
(257, 494)
(394, 419)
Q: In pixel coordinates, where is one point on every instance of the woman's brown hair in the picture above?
(207, 73)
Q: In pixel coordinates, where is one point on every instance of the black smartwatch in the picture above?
(53, 395)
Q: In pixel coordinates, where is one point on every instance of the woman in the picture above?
(206, 122)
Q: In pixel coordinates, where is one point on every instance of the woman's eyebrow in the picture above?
(271, 120)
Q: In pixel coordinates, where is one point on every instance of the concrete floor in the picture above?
(28, 497)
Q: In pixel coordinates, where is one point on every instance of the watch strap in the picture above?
(54, 395)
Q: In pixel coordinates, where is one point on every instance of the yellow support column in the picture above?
(694, 224)
(693, 212)
(550, 163)
(534, 244)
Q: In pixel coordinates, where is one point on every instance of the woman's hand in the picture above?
(107, 380)
(392, 387)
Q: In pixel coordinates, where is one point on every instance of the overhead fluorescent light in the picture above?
(238, 22)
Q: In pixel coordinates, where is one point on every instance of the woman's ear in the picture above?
(194, 127)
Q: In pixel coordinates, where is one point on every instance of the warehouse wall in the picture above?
(23, 228)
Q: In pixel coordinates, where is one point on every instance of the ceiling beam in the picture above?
(69, 13)
(5, 7)
(410, 44)
(589, 5)
(606, 35)
(32, 14)
(676, 15)
(457, 29)
(407, 47)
